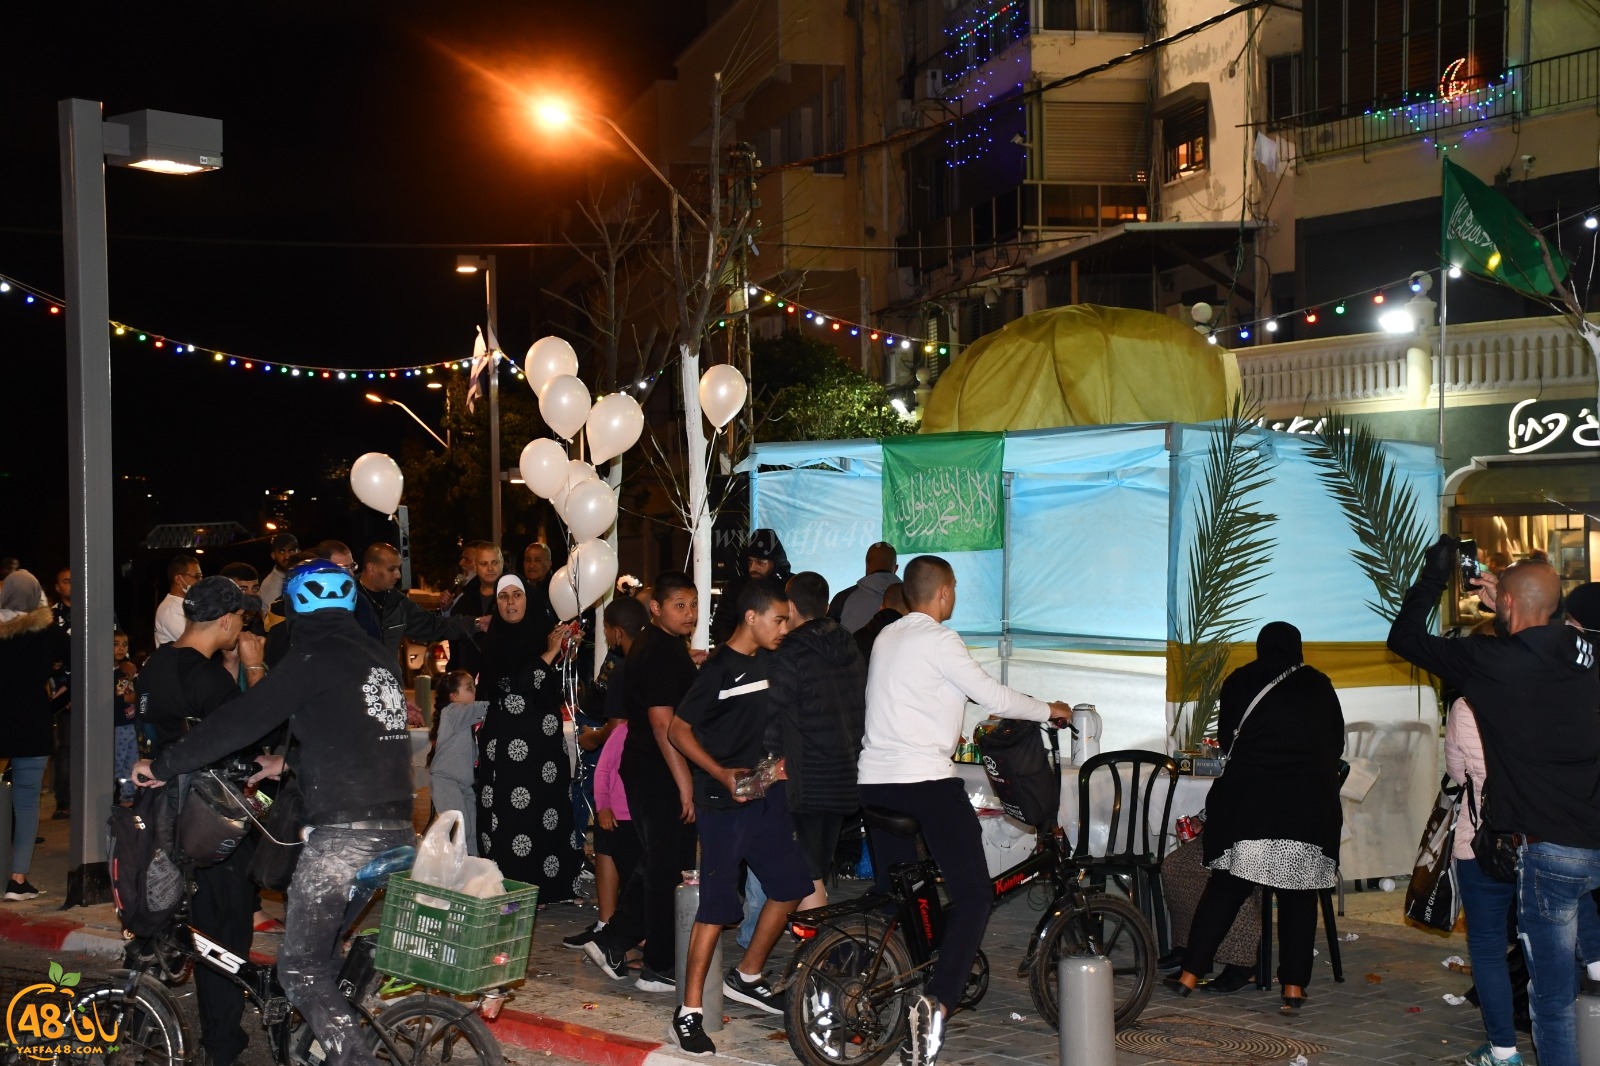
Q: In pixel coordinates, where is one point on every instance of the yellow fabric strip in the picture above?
(1349, 664)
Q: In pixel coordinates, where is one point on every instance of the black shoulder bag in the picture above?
(1493, 848)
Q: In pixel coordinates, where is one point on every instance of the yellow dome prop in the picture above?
(1083, 365)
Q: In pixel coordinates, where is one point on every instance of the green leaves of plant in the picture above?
(61, 978)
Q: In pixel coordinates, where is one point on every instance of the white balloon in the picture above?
(562, 598)
(596, 565)
(548, 357)
(377, 481)
(578, 472)
(544, 466)
(590, 508)
(722, 393)
(614, 426)
(564, 403)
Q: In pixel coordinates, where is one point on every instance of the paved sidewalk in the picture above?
(1390, 1008)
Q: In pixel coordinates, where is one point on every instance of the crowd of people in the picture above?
(747, 761)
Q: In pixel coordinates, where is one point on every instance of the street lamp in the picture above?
(165, 143)
(473, 264)
(375, 398)
(555, 114)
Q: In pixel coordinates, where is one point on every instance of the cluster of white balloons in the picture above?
(585, 503)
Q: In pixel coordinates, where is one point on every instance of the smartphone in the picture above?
(1467, 559)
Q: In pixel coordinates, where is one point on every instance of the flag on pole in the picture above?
(1483, 233)
(478, 376)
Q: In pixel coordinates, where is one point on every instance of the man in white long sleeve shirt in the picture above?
(919, 682)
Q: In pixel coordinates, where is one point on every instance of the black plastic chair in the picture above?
(1129, 849)
(1325, 898)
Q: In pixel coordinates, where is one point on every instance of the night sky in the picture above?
(389, 123)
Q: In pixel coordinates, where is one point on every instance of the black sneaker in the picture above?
(577, 940)
(927, 1031)
(688, 1032)
(17, 891)
(653, 981)
(613, 963)
(757, 993)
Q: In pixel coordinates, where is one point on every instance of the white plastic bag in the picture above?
(442, 855)
(482, 878)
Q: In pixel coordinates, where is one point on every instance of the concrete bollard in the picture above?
(686, 902)
(1588, 1029)
(1085, 1012)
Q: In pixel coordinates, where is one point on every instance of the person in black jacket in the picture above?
(817, 711)
(1273, 818)
(1534, 692)
(347, 711)
(763, 557)
(30, 646)
(397, 615)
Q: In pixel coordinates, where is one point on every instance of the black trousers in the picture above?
(645, 905)
(1220, 903)
(956, 842)
(224, 911)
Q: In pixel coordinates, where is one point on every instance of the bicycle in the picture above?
(862, 961)
(418, 1029)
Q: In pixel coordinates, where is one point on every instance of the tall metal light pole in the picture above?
(472, 264)
(167, 144)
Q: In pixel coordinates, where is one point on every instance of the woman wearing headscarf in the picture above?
(1273, 817)
(30, 646)
(524, 812)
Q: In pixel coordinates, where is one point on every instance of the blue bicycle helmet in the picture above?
(319, 586)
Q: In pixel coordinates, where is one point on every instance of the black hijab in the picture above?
(513, 644)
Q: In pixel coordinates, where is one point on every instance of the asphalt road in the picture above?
(21, 965)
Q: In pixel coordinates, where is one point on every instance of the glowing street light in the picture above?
(373, 397)
(554, 114)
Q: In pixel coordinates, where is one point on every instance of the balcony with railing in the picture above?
(1542, 86)
(1381, 371)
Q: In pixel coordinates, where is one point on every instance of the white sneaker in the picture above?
(927, 1031)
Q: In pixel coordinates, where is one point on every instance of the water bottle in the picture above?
(1086, 741)
(686, 903)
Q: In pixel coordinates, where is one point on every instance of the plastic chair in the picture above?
(1325, 901)
(1129, 851)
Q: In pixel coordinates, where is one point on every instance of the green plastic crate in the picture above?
(454, 942)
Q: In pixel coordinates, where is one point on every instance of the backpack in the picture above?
(146, 884)
(1025, 782)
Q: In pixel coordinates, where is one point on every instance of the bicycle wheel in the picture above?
(847, 1003)
(1109, 926)
(149, 1030)
(430, 1030)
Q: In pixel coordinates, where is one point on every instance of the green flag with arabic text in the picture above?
(944, 492)
(1483, 233)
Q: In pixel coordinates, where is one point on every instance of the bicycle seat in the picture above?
(897, 822)
(395, 860)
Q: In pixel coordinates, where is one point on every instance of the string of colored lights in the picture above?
(54, 305)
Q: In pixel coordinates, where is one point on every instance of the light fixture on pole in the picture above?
(473, 264)
(375, 398)
(166, 143)
(556, 114)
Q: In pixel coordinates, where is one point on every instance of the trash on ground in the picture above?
(1413, 1010)
(1018, 1017)
(590, 1006)
(1374, 979)
(1298, 1060)
(780, 1035)
(1350, 936)
(1453, 961)
(1454, 1001)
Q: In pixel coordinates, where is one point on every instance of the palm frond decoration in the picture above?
(1382, 510)
(1228, 554)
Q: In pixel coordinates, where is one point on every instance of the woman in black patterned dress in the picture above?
(525, 815)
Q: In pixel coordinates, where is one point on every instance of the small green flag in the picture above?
(944, 492)
(1483, 233)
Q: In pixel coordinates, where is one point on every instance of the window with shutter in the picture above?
(1185, 133)
(1095, 142)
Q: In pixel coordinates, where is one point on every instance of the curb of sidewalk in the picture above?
(532, 1032)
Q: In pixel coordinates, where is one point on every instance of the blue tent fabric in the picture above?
(1100, 521)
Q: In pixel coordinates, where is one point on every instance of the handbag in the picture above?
(1433, 898)
(278, 851)
(1493, 848)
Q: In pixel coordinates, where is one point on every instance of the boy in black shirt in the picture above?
(660, 793)
(719, 728)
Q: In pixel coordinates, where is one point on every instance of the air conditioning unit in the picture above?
(932, 84)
